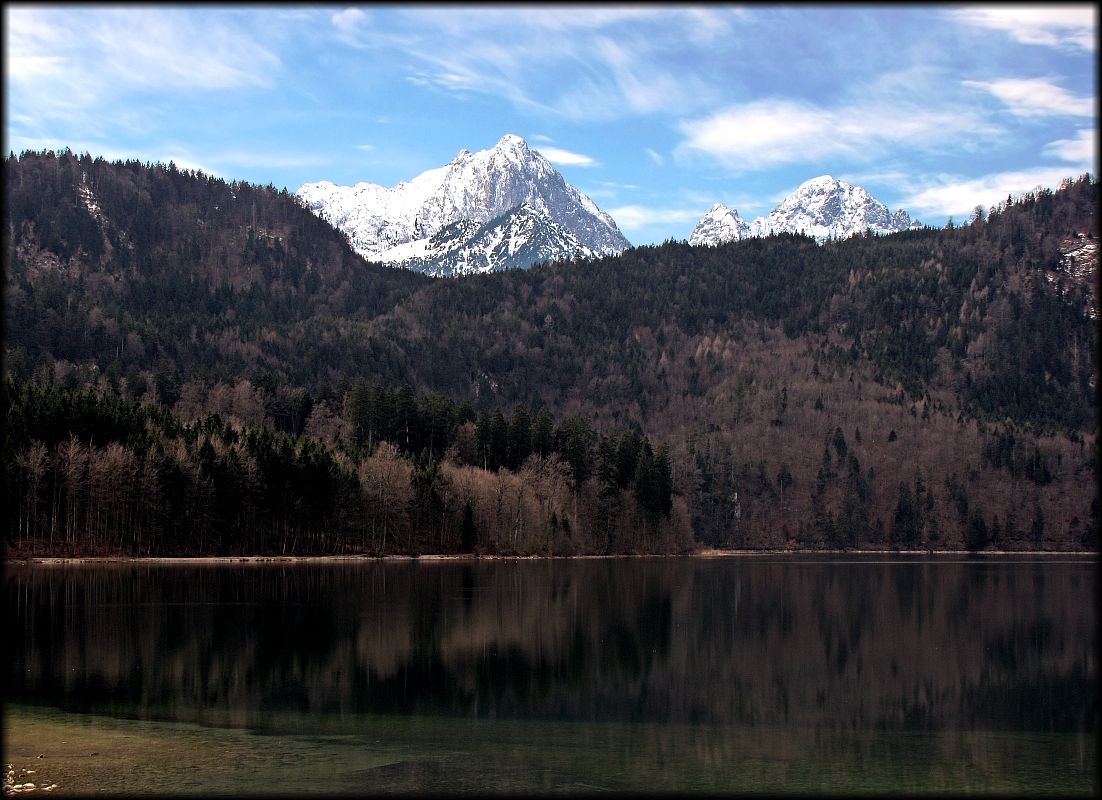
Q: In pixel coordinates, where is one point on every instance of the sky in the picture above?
(654, 111)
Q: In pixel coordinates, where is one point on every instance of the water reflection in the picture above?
(856, 645)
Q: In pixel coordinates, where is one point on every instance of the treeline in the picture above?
(98, 474)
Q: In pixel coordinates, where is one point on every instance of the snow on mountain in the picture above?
(823, 207)
(519, 238)
(483, 211)
(720, 224)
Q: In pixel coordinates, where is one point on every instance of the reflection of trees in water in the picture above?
(854, 644)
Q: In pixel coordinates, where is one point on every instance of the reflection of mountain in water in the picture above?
(911, 644)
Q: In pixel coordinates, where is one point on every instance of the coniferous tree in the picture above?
(905, 523)
(497, 445)
(520, 437)
(543, 432)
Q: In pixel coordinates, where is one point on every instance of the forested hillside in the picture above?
(930, 389)
(146, 270)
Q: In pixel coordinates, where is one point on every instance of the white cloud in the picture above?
(587, 64)
(643, 88)
(1036, 97)
(762, 133)
(956, 196)
(1067, 26)
(81, 68)
(365, 147)
(349, 19)
(1082, 150)
(637, 217)
(768, 132)
(655, 156)
(608, 190)
(149, 47)
(706, 25)
(472, 67)
(884, 175)
(556, 155)
(461, 22)
(34, 67)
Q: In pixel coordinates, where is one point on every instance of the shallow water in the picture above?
(787, 674)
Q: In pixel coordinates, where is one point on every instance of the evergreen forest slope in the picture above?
(928, 389)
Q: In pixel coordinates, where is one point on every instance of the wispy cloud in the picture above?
(617, 185)
(351, 26)
(556, 155)
(473, 68)
(99, 70)
(588, 64)
(774, 131)
(1081, 150)
(641, 87)
(638, 217)
(654, 156)
(1067, 26)
(954, 196)
(1035, 97)
(608, 190)
(349, 19)
(459, 21)
(143, 47)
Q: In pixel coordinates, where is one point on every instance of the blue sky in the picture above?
(655, 111)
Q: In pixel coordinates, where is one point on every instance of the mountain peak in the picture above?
(511, 141)
(822, 181)
(822, 207)
(720, 224)
(397, 225)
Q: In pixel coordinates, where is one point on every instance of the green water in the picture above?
(748, 675)
(370, 754)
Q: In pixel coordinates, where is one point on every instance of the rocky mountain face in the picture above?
(720, 224)
(823, 207)
(494, 209)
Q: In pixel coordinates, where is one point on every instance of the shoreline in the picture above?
(699, 554)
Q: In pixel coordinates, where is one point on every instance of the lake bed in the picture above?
(804, 674)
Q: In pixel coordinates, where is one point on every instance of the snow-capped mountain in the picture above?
(823, 207)
(493, 209)
(720, 224)
(519, 238)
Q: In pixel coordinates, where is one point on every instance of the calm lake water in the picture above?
(740, 674)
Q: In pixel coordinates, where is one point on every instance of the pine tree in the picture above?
(467, 533)
(497, 446)
(520, 437)
(905, 522)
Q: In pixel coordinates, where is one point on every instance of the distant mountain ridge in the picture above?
(822, 207)
(493, 209)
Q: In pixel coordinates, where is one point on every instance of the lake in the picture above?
(804, 674)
